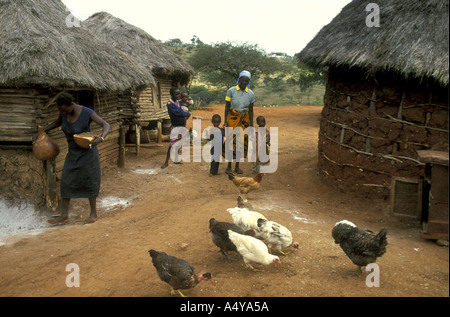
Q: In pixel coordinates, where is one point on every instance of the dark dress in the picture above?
(81, 173)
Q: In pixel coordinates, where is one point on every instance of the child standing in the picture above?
(216, 120)
(177, 118)
(261, 121)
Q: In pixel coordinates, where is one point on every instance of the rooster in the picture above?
(275, 235)
(178, 273)
(219, 235)
(252, 250)
(361, 246)
(246, 184)
(244, 218)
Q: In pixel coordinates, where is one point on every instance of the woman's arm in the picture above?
(106, 128)
(250, 108)
(227, 109)
(55, 124)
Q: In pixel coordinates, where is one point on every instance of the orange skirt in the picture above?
(237, 119)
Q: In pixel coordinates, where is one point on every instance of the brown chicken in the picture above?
(246, 184)
(178, 273)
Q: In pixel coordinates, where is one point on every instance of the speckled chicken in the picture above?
(361, 246)
(219, 235)
(178, 273)
(275, 235)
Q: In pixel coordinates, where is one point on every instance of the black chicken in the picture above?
(219, 235)
(178, 273)
(361, 246)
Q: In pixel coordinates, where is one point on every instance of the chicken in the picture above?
(178, 273)
(275, 235)
(252, 249)
(246, 184)
(243, 203)
(361, 246)
(244, 218)
(219, 235)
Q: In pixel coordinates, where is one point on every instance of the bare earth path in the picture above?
(168, 210)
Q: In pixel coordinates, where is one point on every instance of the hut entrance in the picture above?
(85, 98)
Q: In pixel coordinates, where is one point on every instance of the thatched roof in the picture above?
(412, 39)
(140, 45)
(38, 48)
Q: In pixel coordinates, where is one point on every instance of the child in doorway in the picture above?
(261, 121)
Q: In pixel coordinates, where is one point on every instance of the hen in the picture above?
(243, 203)
(244, 218)
(219, 235)
(178, 273)
(246, 184)
(252, 250)
(275, 235)
(361, 246)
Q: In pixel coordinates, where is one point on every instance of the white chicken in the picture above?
(275, 235)
(252, 250)
(244, 218)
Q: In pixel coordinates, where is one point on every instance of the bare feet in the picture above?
(91, 219)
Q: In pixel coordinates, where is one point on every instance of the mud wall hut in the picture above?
(41, 56)
(169, 69)
(386, 93)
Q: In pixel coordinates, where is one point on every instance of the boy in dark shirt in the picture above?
(177, 118)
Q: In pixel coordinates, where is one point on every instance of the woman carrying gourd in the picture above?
(81, 172)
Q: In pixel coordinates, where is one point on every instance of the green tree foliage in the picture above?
(220, 64)
(306, 77)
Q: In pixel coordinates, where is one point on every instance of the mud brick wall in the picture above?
(372, 127)
(22, 176)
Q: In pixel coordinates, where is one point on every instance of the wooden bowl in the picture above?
(83, 140)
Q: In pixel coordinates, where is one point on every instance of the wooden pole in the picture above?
(159, 125)
(122, 147)
(138, 138)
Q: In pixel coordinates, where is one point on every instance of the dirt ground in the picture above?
(169, 210)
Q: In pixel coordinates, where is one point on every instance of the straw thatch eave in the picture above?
(38, 48)
(140, 45)
(412, 40)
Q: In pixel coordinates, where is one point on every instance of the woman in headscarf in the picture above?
(239, 103)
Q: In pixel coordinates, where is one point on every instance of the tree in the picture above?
(174, 42)
(306, 77)
(221, 63)
(195, 40)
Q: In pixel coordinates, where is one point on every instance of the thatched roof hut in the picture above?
(143, 48)
(38, 48)
(412, 40)
(169, 69)
(40, 55)
(386, 93)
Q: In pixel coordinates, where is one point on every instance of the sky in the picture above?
(284, 26)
